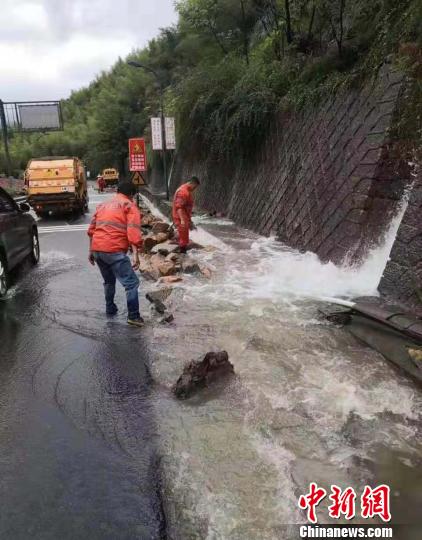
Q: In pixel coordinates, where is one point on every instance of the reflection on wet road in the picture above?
(77, 431)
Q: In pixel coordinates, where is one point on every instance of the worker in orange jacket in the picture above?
(116, 227)
(182, 211)
(101, 183)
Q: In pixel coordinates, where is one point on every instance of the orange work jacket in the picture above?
(116, 225)
(183, 200)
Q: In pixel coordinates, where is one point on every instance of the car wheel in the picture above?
(3, 276)
(35, 251)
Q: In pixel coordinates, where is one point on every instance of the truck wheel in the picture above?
(3, 277)
(35, 251)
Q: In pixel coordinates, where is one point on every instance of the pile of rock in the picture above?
(161, 260)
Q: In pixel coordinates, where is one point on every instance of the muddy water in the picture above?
(309, 403)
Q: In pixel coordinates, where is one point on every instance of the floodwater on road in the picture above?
(308, 404)
(93, 444)
(78, 443)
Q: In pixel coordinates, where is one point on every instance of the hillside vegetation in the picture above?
(227, 67)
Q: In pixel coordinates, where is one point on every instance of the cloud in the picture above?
(50, 47)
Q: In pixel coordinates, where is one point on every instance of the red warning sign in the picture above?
(137, 155)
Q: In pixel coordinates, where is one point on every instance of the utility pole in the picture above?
(5, 138)
(163, 135)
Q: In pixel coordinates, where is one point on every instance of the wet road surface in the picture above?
(77, 433)
(91, 436)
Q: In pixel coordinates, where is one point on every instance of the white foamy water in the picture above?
(309, 402)
(276, 272)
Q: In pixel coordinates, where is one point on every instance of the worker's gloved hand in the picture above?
(91, 258)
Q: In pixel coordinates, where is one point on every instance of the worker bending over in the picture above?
(115, 227)
(182, 211)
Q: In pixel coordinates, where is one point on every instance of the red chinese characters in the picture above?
(344, 502)
(137, 155)
(311, 501)
(376, 502)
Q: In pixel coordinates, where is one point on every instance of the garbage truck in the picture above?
(111, 177)
(56, 185)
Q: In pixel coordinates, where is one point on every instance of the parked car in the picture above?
(18, 237)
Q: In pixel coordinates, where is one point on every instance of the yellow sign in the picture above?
(137, 179)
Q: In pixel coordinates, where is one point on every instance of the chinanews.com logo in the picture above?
(345, 504)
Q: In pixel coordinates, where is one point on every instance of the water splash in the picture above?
(273, 271)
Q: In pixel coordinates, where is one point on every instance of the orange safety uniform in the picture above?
(116, 225)
(183, 200)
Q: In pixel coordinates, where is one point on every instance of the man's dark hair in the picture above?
(126, 188)
(194, 180)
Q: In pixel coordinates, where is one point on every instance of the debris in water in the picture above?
(168, 318)
(416, 356)
(157, 298)
(169, 280)
(198, 374)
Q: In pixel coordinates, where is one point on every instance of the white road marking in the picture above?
(67, 227)
(63, 228)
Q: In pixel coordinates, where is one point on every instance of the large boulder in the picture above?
(161, 237)
(157, 298)
(199, 374)
(165, 248)
(175, 257)
(149, 242)
(170, 280)
(165, 268)
(190, 266)
(160, 227)
(146, 268)
(147, 220)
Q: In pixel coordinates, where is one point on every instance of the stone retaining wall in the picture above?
(322, 179)
(402, 280)
(328, 179)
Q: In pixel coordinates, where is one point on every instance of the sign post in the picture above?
(163, 134)
(5, 139)
(28, 116)
(137, 161)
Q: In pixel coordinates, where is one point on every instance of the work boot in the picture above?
(110, 312)
(136, 322)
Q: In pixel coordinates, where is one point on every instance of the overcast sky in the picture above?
(50, 47)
